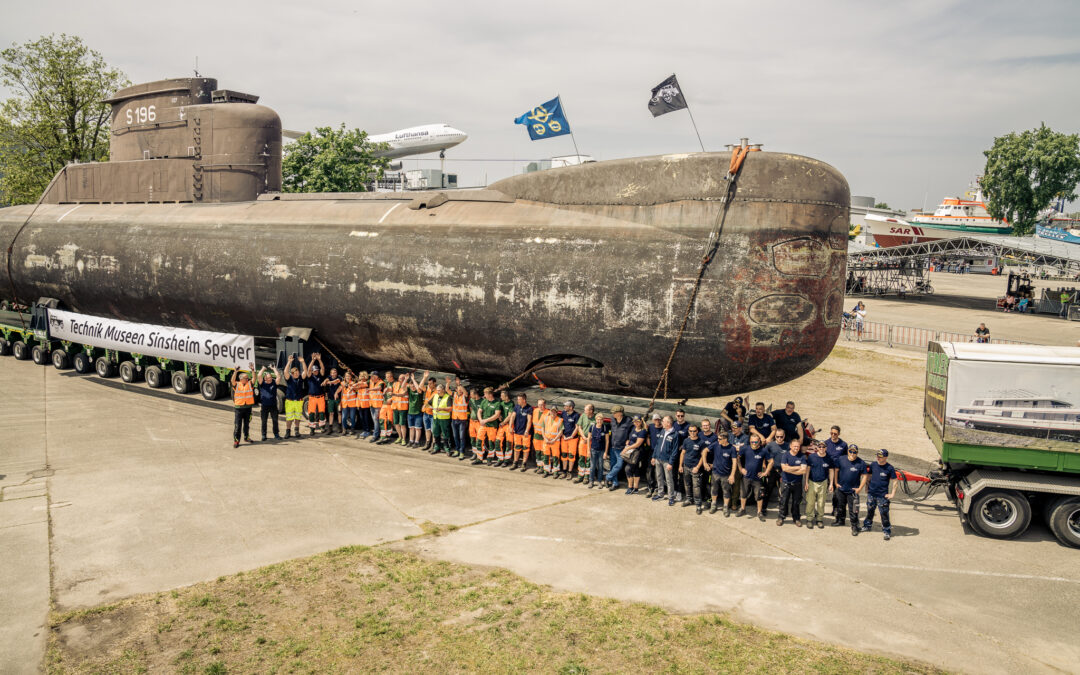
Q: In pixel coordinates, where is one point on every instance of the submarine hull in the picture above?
(583, 272)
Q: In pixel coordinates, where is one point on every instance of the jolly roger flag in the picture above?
(666, 97)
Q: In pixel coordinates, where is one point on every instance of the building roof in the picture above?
(974, 351)
(1029, 250)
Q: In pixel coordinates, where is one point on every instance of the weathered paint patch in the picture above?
(275, 270)
(802, 257)
(629, 191)
(361, 233)
(66, 254)
(473, 293)
(36, 260)
(781, 309)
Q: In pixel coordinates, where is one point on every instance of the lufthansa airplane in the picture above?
(411, 141)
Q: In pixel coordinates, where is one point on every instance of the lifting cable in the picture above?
(737, 156)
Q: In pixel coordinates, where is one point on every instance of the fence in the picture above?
(911, 336)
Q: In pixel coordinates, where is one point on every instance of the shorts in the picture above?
(569, 448)
(415, 421)
(331, 405)
(752, 485)
(316, 404)
(583, 447)
(487, 433)
(294, 411)
(521, 441)
(401, 417)
(427, 419)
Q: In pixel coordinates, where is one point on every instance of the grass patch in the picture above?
(363, 609)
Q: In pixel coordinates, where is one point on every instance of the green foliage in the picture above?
(882, 205)
(331, 160)
(56, 115)
(1025, 172)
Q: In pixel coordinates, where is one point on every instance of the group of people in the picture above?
(743, 456)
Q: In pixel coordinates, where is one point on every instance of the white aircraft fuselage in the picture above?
(419, 140)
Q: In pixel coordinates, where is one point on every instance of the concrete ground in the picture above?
(144, 492)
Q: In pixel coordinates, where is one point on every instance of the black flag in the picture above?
(666, 97)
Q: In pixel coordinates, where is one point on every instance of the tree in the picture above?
(882, 205)
(56, 115)
(1025, 172)
(332, 160)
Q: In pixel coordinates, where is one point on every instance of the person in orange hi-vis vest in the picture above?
(346, 393)
(539, 414)
(363, 413)
(400, 403)
(459, 422)
(243, 402)
(386, 413)
(375, 401)
(553, 432)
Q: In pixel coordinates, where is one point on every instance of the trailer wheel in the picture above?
(60, 359)
(81, 363)
(5, 347)
(1001, 514)
(155, 377)
(181, 383)
(1064, 520)
(104, 367)
(19, 350)
(128, 372)
(210, 387)
(40, 355)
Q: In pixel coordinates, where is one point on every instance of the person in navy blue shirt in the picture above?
(820, 480)
(790, 421)
(777, 448)
(793, 474)
(754, 464)
(761, 424)
(709, 438)
(724, 467)
(691, 463)
(682, 426)
(851, 480)
(665, 453)
(739, 439)
(656, 429)
(294, 396)
(835, 448)
(878, 492)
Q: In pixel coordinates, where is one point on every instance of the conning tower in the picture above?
(179, 140)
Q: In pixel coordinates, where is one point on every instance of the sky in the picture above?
(901, 97)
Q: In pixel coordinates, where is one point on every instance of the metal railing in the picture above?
(911, 336)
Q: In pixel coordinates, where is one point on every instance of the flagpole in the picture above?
(577, 152)
(695, 125)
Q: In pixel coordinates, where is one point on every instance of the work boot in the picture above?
(264, 437)
(727, 512)
(761, 517)
(888, 536)
(687, 503)
(854, 531)
(236, 443)
(247, 439)
(712, 509)
(838, 523)
(699, 509)
(288, 433)
(779, 522)
(578, 480)
(741, 513)
(278, 436)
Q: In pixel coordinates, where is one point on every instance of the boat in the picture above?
(1021, 413)
(953, 218)
(1060, 232)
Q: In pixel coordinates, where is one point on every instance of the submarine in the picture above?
(581, 275)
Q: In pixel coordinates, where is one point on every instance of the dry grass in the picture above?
(367, 609)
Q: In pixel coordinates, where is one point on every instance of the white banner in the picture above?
(198, 346)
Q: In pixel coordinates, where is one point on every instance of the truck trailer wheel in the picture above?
(5, 347)
(40, 355)
(19, 350)
(210, 388)
(1064, 520)
(155, 377)
(128, 372)
(60, 359)
(81, 363)
(181, 383)
(104, 367)
(1001, 514)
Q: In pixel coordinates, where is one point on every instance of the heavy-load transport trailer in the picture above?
(25, 335)
(1006, 422)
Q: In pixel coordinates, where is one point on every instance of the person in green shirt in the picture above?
(475, 437)
(488, 413)
(504, 437)
(415, 414)
(585, 424)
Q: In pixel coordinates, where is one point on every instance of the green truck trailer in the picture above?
(1006, 422)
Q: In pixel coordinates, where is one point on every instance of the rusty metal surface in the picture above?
(488, 287)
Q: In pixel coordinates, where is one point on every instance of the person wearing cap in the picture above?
(820, 480)
(621, 426)
(584, 455)
(636, 446)
(851, 480)
(599, 440)
(664, 453)
(878, 492)
(754, 464)
(734, 413)
(724, 466)
(793, 468)
(568, 444)
(691, 462)
(656, 429)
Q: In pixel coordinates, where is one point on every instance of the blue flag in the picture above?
(545, 120)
